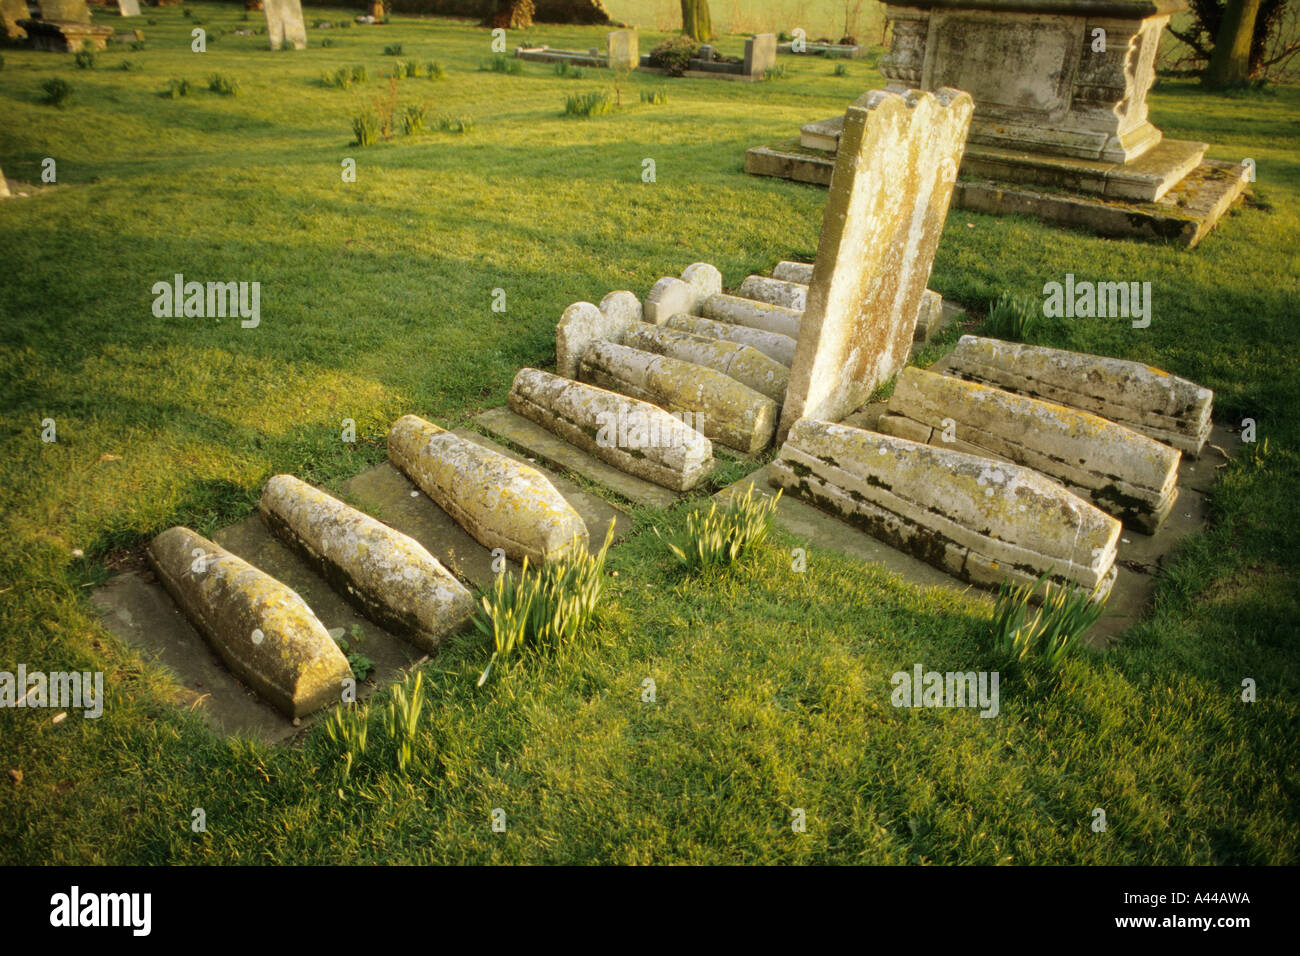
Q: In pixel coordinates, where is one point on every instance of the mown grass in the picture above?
(772, 686)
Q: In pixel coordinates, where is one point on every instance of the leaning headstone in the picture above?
(11, 11)
(128, 8)
(1123, 472)
(722, 409)
(636, 437)
(284, 24)
(624, 52)
(501, 502)
(980, 520)
(261, 628)
(760, 54)
(894, 175)
(385, 574)
(1148, 400)
(64, 11)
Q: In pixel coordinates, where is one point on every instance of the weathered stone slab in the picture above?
(499, 501)
(772, 344)
(929, 316)
(724, 410)
(1146, 399)
(1123, 472)
(791, 295)
(262, 629)
(583, 323)
(760, 54)
(745, 364)
(801, 272)
(128, 8)
(284, 24)
(894, 174)
(64, 11)
(633, 436)
(669, 296)
(757, 315)
(979, 520)
(623, 50)
(389, 576)
(541, 445)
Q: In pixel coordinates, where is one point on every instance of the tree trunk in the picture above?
(696, 22)
(1230, 62)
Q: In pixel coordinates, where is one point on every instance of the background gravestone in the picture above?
(284, 24)
(128, 8)
(624, 50)
(889, 196)
(760, 54)
(66, 11)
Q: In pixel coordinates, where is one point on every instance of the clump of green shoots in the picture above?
(716, 539)
(1011, 317)
(543, 608)
(1047, 633)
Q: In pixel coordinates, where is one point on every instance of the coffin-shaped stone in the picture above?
(801, 272)
(387, 575)
(723, 409)
(1121, 471)
(980, 520)
(791, 295)
(772, 344)
(261, 628)
(633, 436)
(500, 502)
(757, 315)
(745, 364)
(1149, 400)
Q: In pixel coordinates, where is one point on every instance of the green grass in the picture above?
(772, 685)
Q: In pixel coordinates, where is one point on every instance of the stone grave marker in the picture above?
(128, 8)
(65, 11)
(894, 175)
(760, 54)
(624, 50)
(284, 24)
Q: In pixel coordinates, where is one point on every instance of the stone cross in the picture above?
(284, 24)
(889, 195)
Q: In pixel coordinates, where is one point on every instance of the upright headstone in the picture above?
(894, 175)
(65, 11)
(4, 185)
(11, 11)
(760, 54)
(128, 8)
(284, 24)
(624, 50)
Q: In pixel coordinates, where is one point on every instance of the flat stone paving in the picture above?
(136, 608)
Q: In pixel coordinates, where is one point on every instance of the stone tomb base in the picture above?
(1138, 560)
(137, 608)
(1171, 192)
(62, 36)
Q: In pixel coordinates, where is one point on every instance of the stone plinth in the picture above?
(1060, 90)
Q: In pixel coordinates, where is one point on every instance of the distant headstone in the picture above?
(128, 8)
(284, 24)
(760, 54)
(4, 185)
(624, 51)
(66, 11)
(894, 176)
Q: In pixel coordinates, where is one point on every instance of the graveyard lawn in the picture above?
(772, 687)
